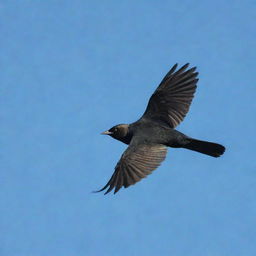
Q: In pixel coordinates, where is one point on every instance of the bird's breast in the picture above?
(152, 133)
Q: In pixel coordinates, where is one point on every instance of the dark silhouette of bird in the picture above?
(149, 137)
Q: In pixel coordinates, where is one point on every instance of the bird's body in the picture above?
(149, 137)
(152, 132)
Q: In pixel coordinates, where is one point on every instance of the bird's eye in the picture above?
(115, 130)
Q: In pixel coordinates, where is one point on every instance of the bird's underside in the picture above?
(149, 137)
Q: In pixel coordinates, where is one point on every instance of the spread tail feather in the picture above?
(205, 147)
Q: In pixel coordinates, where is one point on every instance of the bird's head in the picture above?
(118, 132)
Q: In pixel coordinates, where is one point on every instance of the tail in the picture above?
(205, 147)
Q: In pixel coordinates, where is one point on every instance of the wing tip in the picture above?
(105, 187)
(185, 66)
(108, 190)
(98, 191)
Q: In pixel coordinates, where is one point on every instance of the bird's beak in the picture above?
(106, 133)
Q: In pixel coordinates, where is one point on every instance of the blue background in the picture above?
(71, 69)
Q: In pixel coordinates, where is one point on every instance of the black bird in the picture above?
(149, 137)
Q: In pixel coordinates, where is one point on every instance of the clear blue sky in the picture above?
(71, 69)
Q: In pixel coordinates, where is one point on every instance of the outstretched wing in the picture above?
(171, 100)
(136, 163)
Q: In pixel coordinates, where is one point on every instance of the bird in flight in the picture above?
(150, 136)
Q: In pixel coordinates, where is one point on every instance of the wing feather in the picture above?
(136, 163)
(171, 100)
